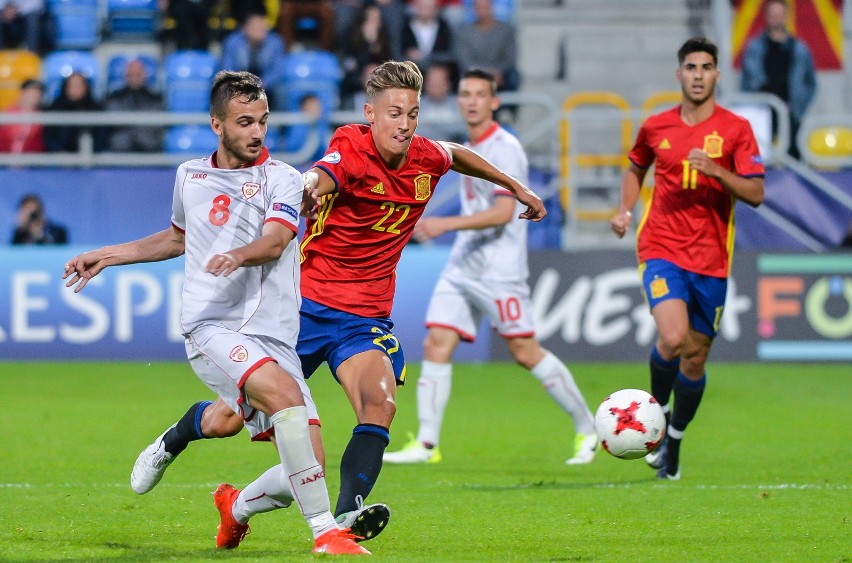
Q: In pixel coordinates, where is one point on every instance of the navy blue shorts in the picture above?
(704, 295)
(334, 336)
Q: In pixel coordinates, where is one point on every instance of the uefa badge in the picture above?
(713, 145)
(239, 354)
(423, 187)
(250, 188)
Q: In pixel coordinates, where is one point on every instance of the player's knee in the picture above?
(220, 423)
(671, 343)
(376, 410)
(436, 349)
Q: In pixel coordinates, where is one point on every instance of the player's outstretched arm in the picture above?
(272, 242)
(501, 213)
(631, 184)
(749, 190)
(469, 163)
(168, 243)
(316, 184)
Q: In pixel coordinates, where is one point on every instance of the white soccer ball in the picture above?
(630, 423)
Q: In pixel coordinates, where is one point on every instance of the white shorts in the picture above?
(459, 304)
(223, 360)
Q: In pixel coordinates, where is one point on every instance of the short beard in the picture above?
(233, 149)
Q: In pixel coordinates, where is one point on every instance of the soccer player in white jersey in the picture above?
(235, 214)
(486, 275)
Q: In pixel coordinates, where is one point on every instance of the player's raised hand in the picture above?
(310, 195)
(620, 222)
(84, 267)
(535, 207)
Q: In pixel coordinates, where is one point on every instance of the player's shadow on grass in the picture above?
(555, 485)
(127, 552)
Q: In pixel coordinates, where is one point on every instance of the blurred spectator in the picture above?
(75, 95)
(21, 23)
(24, 137)
(296, 136)
(33, 226)
(780, 64)
(191, 19)
(453, 12)
(242, 9)
(135, 96)
(317, 12)
(489, 44)
(367, 42)
(846, 244)
(427, 38)
(359, 98)
(347, 13)
(257, 49)
(439, 111)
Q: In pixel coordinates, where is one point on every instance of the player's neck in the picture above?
(475, 132)
(692, 113)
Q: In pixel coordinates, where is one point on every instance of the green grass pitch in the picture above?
(766, 471)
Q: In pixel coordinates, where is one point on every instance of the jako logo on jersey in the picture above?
(332, 158)
(199, 176)
(239, 354)
(250, 188)
(422, 187)
(312, 478)
(286, 209)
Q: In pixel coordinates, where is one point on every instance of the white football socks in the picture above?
(305, 475)
(433, 394)
(560, 384)
(266, 493)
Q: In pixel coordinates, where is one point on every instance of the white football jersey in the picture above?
(219, 210)
(497, 253)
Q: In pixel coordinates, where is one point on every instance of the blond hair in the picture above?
(391, 75)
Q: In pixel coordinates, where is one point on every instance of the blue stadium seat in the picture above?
(117, 66)
(309, 72)
(188, 76)
(132, 19)
(59, 65)
(503, 10)
(198, 140)
(77, 23)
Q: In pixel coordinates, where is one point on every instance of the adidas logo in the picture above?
(379, 188)
(665, 144)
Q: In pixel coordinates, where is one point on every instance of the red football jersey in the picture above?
(350, 251)
(690, 219)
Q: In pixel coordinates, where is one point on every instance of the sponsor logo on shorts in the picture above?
(286, 209)
(332, 158)
(659, 287)
(239, 354)
(250, 188)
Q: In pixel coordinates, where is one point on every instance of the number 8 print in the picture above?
(220, 213)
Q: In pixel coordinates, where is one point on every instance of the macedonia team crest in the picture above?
(713, 145)
(250, 188)
(239, 354)
(423, 187)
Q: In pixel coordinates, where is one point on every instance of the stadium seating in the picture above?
(831, 142)
(130, 20)
(15, 67)
(188, 76)
(118, 64)
(59, 65)
(77, 23)
(198, 140)
(308, 72)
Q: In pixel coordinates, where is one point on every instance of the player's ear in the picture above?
(216, 125)
(369, 113)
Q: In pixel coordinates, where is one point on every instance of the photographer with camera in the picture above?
(33, 226)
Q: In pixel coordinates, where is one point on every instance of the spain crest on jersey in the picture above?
(713, 145)
(423, 187)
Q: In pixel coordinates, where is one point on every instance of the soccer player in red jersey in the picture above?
(363, 199)
(705, 158)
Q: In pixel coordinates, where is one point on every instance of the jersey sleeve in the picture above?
(343, 160)
(285, 197)
(747, 159)
(438, 159)
(178, 214)
(642, 155)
